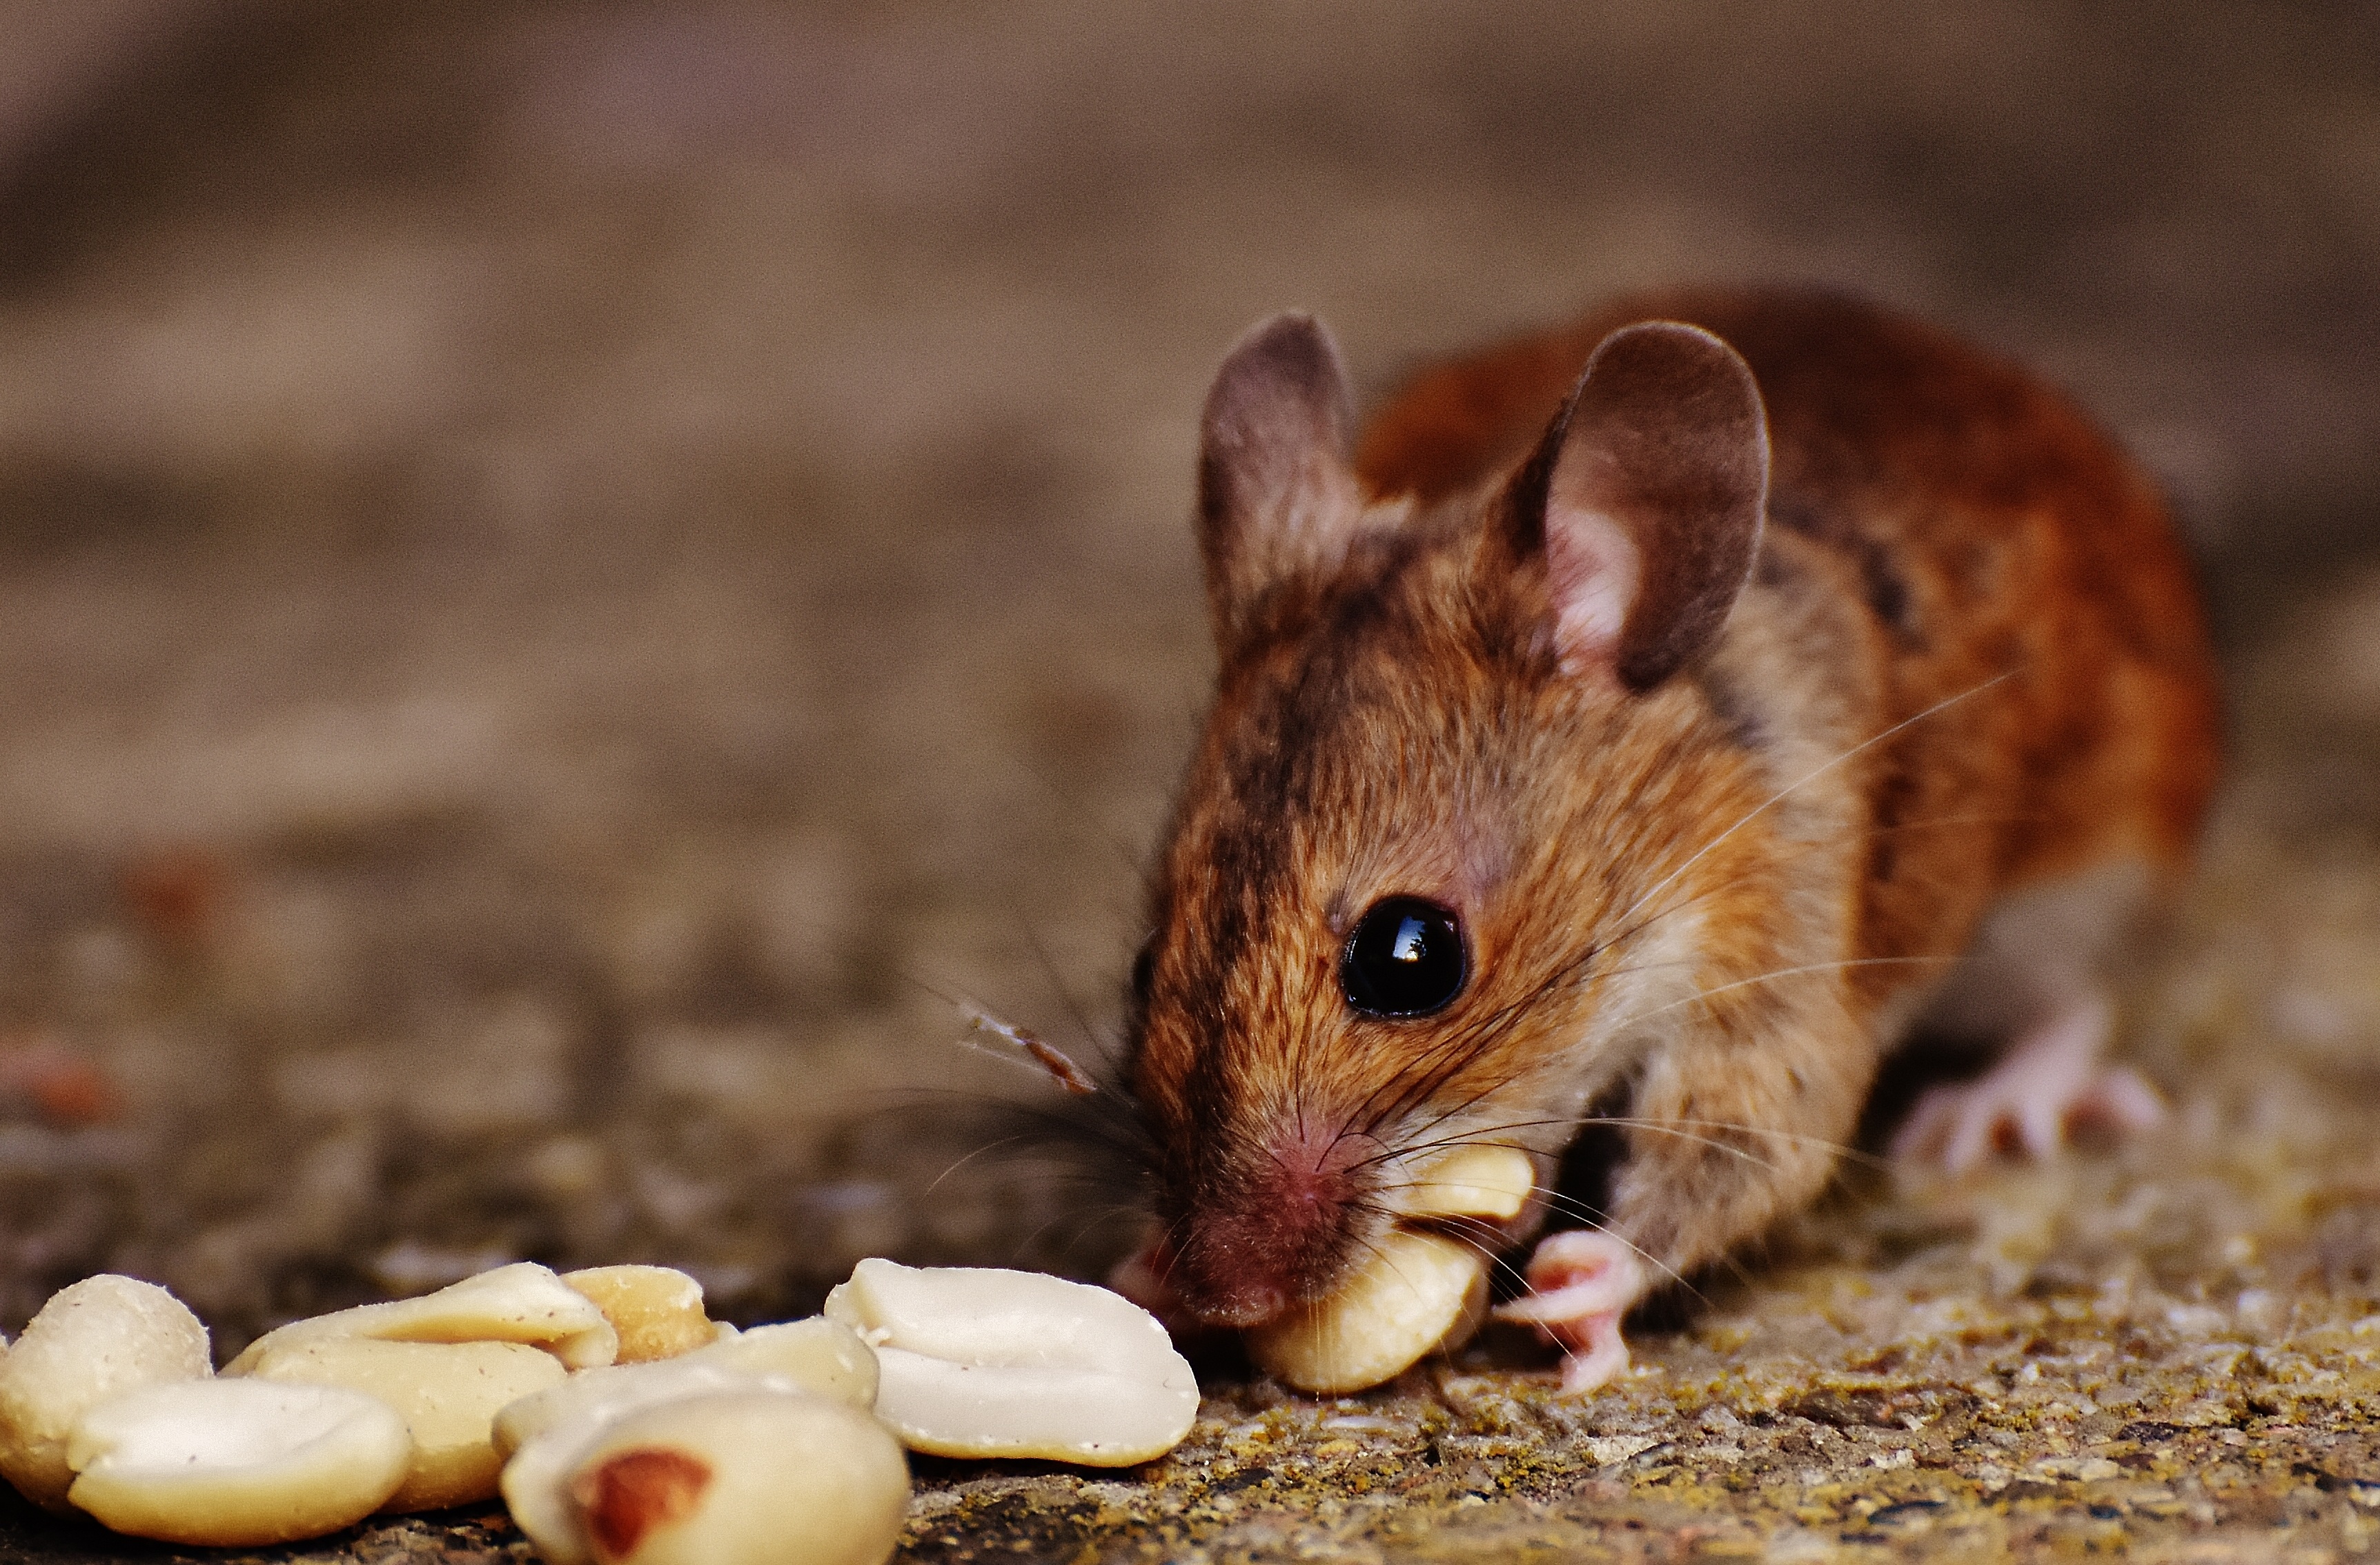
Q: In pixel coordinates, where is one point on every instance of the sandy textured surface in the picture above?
(570, 574)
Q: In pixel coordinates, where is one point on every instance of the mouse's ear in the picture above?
(1276, 495)
(1644, 502)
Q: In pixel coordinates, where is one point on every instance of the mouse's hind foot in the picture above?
(2050, 1081)
(1581, 1283)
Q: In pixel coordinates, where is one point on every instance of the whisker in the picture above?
(1058, 985)
(1483, 1136)
(1672, 1274)
(1806, 778)
(1097, 1120)
(1701, 995)
(1675, 1128)
(1469, 1138)
(1423, 1076)
(1841, 1149)
(1089, 1221)
(1434, 1078)
(967, 1158)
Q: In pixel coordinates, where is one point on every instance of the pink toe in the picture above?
(1559, 1307)
(1604, 1357)
(2126, 1100)
(1581, 1284)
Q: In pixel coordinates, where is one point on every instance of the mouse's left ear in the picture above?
(1642, 505)
(1276, 496)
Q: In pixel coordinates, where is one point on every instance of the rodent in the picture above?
(1655, 719)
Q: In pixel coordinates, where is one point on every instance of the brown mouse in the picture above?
(1656, 721)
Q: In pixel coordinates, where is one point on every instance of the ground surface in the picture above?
(569, 573)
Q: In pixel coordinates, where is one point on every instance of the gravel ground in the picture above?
(573, 578)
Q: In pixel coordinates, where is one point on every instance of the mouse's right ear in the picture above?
(1276, 495)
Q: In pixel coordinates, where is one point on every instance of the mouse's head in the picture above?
(1446, 757)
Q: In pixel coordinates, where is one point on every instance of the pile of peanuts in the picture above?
(620, 1423)
(623, 1426)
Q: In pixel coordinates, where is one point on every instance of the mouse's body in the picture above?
(1665, 751)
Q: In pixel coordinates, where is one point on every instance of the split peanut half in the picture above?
(741, 1479)
(97, 1338)
(981, 1362)
(656, 1311)
(448, 1394)
(236, 1464)
(1478, 1182)
(818, 1355)
(1416, 1291)
(546, 1436)
(521, 1303)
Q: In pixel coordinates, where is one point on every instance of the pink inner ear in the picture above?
(1276, 497)
(1591, 571)
(1653, 505)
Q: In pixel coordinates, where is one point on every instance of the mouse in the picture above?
(1650, 724)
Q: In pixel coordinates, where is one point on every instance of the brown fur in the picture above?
(1970, 660)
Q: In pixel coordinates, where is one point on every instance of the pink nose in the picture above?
(1275, 1234)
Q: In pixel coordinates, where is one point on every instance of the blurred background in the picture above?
(572, 574)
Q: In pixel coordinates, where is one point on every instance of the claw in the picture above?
(1581, 1283)
(2048, 1082)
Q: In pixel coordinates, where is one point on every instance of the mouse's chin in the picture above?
(1153, 1279)
(1239, 1312)
(1243, 1289)
(1227, 1277)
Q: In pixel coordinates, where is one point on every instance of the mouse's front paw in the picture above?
(2050, 1082)
(1581, 1283)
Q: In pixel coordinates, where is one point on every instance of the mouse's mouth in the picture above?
(1420, 1285)
(1257, 1255)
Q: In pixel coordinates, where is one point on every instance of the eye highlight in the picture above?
(1406, 958)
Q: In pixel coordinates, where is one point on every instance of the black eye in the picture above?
(1404, 959)
(1144, 969)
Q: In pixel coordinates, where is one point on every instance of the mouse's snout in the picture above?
(1272, 1229)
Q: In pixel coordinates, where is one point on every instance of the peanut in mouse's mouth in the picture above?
(1422, 1287)
(1470, 1186)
